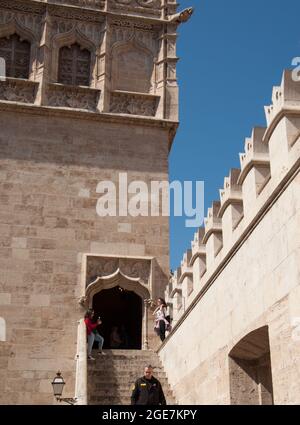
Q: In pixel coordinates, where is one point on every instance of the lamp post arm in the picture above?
(69, 400)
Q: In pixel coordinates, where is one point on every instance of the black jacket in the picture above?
(147, 392)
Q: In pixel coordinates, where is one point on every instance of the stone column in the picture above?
(145, 342)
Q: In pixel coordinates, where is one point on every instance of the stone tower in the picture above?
(90, 92)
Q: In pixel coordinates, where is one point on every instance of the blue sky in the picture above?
(232, 52)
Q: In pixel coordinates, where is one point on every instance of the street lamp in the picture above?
(58, 386)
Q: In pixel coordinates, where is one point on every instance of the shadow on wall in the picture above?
(250, 370)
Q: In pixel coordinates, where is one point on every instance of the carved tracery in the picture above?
(74, 65)
(16, 53)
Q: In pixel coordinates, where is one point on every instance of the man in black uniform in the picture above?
(147, 390)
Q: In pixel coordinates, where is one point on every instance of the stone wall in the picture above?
(50, 166)
(242, 272)
(57, 142)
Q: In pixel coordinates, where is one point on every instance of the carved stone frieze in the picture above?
(144, 37)
(73, 97)
(106, 266)
(133, 104)
(29, 7)
(91, 4)
(74, 13)
(90, 31)
(16, 90)
(128, 23)
(151, 7)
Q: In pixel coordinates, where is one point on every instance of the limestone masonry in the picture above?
(91, 92)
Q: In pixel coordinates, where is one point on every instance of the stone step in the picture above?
(125, 365)
(126, 392)
(113, 369)
(121, 359)
(124, 379)
(121, 378)
(120, 401)
(100, 362)
(110, 377)
(128, 353)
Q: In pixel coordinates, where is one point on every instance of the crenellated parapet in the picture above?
(231, 210)
(186, 277)
(283, 119)
(174, 298)
(285, 97)
(255, 168)
(270, 161)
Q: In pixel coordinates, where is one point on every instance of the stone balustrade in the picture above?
(75, 97)
(18, 90)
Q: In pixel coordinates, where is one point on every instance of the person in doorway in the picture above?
(161, 323)
(124, 337)
(115, 338)
(92, 333)
(147, 390)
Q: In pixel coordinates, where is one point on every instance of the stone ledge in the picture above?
(75, 97)
(132, 103)
(18, 90)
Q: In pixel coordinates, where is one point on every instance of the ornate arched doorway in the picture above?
(121, 313)
(119, 289)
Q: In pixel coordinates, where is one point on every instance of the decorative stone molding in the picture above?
(149, 7)
(130, 268)
(85, 15)
(90, 32)
(90, 4)
(17, 90)
(133, 104)
(29, 24)
(73, 97)
(30, 7)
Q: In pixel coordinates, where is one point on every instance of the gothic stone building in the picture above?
(91, 92)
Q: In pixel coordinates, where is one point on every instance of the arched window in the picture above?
(16, 54)
(74, 66)
(132, 69)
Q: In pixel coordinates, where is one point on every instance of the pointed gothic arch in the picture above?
(132, 286)
(12, 28)
(132, 67)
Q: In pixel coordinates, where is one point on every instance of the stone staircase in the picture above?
(110, 377)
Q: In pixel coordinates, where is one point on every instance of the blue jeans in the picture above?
(94, 337)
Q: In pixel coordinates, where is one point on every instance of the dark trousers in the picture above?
(162, 330)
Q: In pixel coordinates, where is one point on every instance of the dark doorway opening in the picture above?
(121, 309)
(250, 370)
